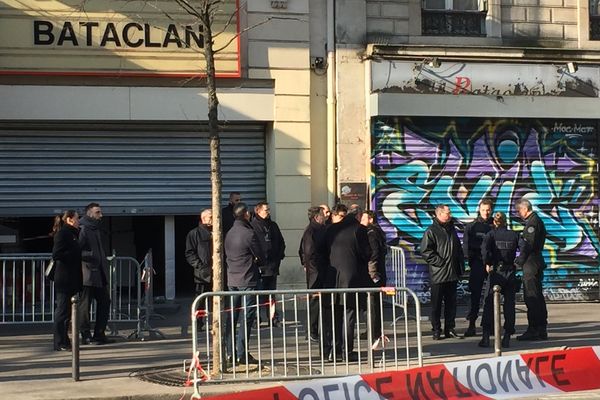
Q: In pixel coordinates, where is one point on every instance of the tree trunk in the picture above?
(215, 178)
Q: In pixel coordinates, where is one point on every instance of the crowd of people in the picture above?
(491, 250)
(344, 247)
(340, 247)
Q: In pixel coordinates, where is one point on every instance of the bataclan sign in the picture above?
(132, 35)
(113, 37)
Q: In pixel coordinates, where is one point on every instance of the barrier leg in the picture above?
(497, 341)
(75, 338)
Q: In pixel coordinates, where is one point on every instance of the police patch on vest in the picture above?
(530, 229)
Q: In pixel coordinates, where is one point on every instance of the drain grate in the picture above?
(172, 375)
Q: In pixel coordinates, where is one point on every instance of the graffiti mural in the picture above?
(418, 163)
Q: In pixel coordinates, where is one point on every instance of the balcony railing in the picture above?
(594, 27)
(453, 23)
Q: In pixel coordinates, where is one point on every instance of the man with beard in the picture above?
(94, 268)
(312, 260)
(273, 246)
(441, 250)
(472, 240)
(198, 254)
(347, 247)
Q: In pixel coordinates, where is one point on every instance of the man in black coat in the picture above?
(244, 255)
(198, 254)
(95, 276)
(273, 245)
(312, 261)
(227, 216)
(472, 239)
(531, 245)
(376, 267)
(348, 252)
(441, 250)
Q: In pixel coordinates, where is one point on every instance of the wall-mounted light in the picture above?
(433, 62)
(570, 67)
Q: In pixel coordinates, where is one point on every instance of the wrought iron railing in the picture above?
(453, 23)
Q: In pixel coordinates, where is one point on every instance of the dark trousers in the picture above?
(102, 297)
(62, 317)
(240, 309)
(476, 281)
(268, 283)
(344, 324)
(376, 301)
(314, 304)
(537, 314)
(203, 287)
(507, 282)
(443, 293)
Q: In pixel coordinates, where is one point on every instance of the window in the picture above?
(454, 17)
(594, 19)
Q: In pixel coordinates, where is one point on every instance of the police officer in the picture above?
(498, 253)
(472, 239)
(532, 261)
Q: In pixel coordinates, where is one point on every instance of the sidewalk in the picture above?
(29, 369)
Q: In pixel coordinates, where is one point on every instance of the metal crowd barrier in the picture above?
(28, 296)
(286, 351)
(396, 263)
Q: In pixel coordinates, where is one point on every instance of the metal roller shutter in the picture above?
(142, 169)
(418, 163)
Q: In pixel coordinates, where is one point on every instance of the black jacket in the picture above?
(67, 258)
(94, 263)
(227, 218)
(499, 249)
(244, 254)
(378, 252)
(473, 237)
(272, 243)
(198, 253)
(310, 254)
(531, 243)
(348, 252)
(441, 250)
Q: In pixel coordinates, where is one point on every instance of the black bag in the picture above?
(49, 271)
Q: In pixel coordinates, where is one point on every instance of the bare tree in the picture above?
(205, 12)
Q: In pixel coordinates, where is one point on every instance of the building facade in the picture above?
(465, 100)
(398, 105)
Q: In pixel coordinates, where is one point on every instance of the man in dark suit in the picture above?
(227, 216)
(244, 255)
(312, 260)
(348, 252)
(198, 254)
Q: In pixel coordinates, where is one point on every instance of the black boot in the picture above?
(529, 334)
(485, 339)
(505, 341)
(471, 330)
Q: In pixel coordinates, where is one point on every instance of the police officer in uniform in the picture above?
(532, 261)
(498, 253)
(472, 239)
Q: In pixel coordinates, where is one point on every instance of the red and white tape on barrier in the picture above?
(490, 378)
